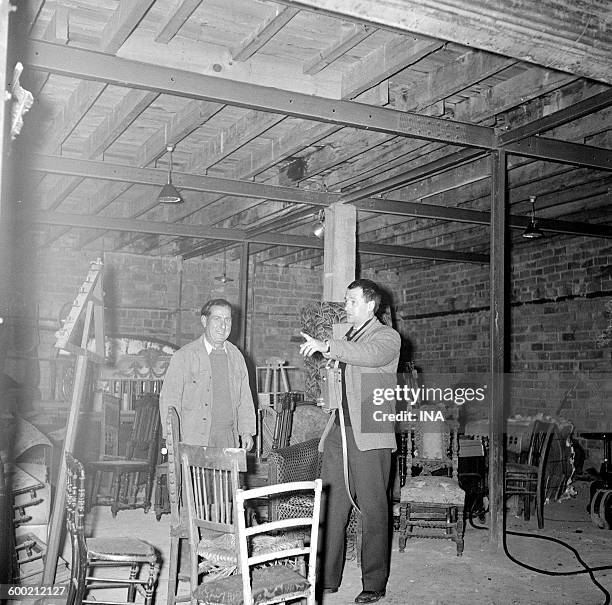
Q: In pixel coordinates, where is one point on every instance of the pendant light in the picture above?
(533, 231)
(169, 193)
(224, 279)
(319, 227)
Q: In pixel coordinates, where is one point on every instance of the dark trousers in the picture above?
(368, 481)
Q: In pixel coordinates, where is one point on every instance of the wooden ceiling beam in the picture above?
(250, 45)
(68, 118)
(583, 108)
(506, 95)
(115, 123)
(470, 68)
(291, 142)
(193, 115)
(381, 64)
(232, 138)
(338, 48)
(176, 18)
(573, 37)
(126, 17)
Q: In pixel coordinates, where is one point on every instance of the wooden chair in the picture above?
(273, 575)
(211, 479)
(302, 462)
(529, 480)
(138, 464)
(107, 551)
(178, 514)
(433, 503)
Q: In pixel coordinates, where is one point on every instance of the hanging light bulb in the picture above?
(533, 231)
(319, 229)
(169, 193)
(224, 279)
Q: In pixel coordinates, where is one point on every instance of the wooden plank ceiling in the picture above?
(277, 109)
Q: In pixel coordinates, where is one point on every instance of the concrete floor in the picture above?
(430, 573)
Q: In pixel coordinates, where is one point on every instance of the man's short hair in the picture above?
(370, 290)
(215, 302)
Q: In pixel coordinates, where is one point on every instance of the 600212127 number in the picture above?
(30, 592)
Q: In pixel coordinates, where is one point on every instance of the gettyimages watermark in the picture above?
(397, 401)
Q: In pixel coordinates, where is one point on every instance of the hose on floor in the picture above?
(586, 568)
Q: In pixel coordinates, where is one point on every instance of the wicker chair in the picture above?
(433, 503)
(302, 462)
(107, 551)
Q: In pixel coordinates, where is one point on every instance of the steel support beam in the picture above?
(88, 65)
(236, 235)
(542, 148)
(151, 176)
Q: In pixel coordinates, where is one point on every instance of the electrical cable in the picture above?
(587, 568)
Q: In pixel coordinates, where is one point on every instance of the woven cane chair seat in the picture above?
(109, 549)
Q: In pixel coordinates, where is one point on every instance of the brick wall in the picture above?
(559, 287)
(278, 294)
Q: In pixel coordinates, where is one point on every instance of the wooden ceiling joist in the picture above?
(336, 49)
(176, 18)
(558, 118)
(267, 31)
(562, 43)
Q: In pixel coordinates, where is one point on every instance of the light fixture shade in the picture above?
(224, 279)
(533, 231)
(169, 194)
(319, 230)
(319, 227)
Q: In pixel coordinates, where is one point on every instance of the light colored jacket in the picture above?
(371, 360)
(188, 387)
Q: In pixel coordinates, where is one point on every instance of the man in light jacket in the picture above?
(208, 384)
(368, 357)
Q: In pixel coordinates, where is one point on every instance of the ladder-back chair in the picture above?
(432, 503)
(106, 551)
(271, 575)
(211, 478)
(137, 467)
